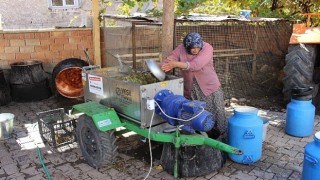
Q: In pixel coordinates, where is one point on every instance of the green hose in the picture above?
(42, 163)
(41, 159)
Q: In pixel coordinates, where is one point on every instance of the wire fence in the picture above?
(248, 55)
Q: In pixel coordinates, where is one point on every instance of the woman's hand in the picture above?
(168, 65)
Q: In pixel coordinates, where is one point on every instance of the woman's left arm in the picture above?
(203, 58)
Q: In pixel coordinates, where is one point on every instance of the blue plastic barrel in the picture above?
(300, 118)
(245, 133)
(311, 162)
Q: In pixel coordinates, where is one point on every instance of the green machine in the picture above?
(155, 110)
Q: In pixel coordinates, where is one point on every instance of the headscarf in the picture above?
(192, 40)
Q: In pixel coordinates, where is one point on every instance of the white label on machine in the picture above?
(105, 122)
(95, 84)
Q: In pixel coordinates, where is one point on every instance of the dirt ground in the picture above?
(272, 101)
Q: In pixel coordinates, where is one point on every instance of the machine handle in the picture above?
(91, 67)
(312, 160)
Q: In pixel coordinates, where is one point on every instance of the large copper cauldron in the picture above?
(67, 77)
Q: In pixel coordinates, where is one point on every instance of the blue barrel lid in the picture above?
(246, 110)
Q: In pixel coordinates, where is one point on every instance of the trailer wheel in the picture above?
(98, 148)
(299, 68)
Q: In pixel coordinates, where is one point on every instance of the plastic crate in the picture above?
(56, 127)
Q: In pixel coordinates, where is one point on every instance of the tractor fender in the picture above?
(104, 118)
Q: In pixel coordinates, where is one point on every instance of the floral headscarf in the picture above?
(192, 40)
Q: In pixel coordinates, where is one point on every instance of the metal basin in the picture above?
(155, 70)
(6, 125)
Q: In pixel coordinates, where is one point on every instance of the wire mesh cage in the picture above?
(248, 54)
(131, 43)
(56, 128)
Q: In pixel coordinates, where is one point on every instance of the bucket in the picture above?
(311, 162)
(265, 128)
(245, 133)
(6, 125)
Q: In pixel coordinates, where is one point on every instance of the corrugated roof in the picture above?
(198, 17)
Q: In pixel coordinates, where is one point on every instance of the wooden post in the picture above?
(167, 27)
(134, 47)
(254, 61)
(96, 32)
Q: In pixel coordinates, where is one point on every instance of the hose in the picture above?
(46, 171)
(42, 164)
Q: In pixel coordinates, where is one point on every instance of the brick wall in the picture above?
(47, 46)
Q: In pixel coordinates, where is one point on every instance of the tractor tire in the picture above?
(299, 68)
(199, 160)
(98, 148)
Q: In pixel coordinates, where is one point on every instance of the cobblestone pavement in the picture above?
(282, 156)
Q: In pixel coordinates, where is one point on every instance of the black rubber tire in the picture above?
(199, 160)
(28, 72)
(5, 97)
(98, 148)
(315, 95)
(299, 68)
(30, 92)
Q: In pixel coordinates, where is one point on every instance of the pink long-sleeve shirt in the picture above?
(200, 68)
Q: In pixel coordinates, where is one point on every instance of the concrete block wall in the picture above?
(36, 14)
(47, 46)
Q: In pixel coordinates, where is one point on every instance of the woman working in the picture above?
(194, 57)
